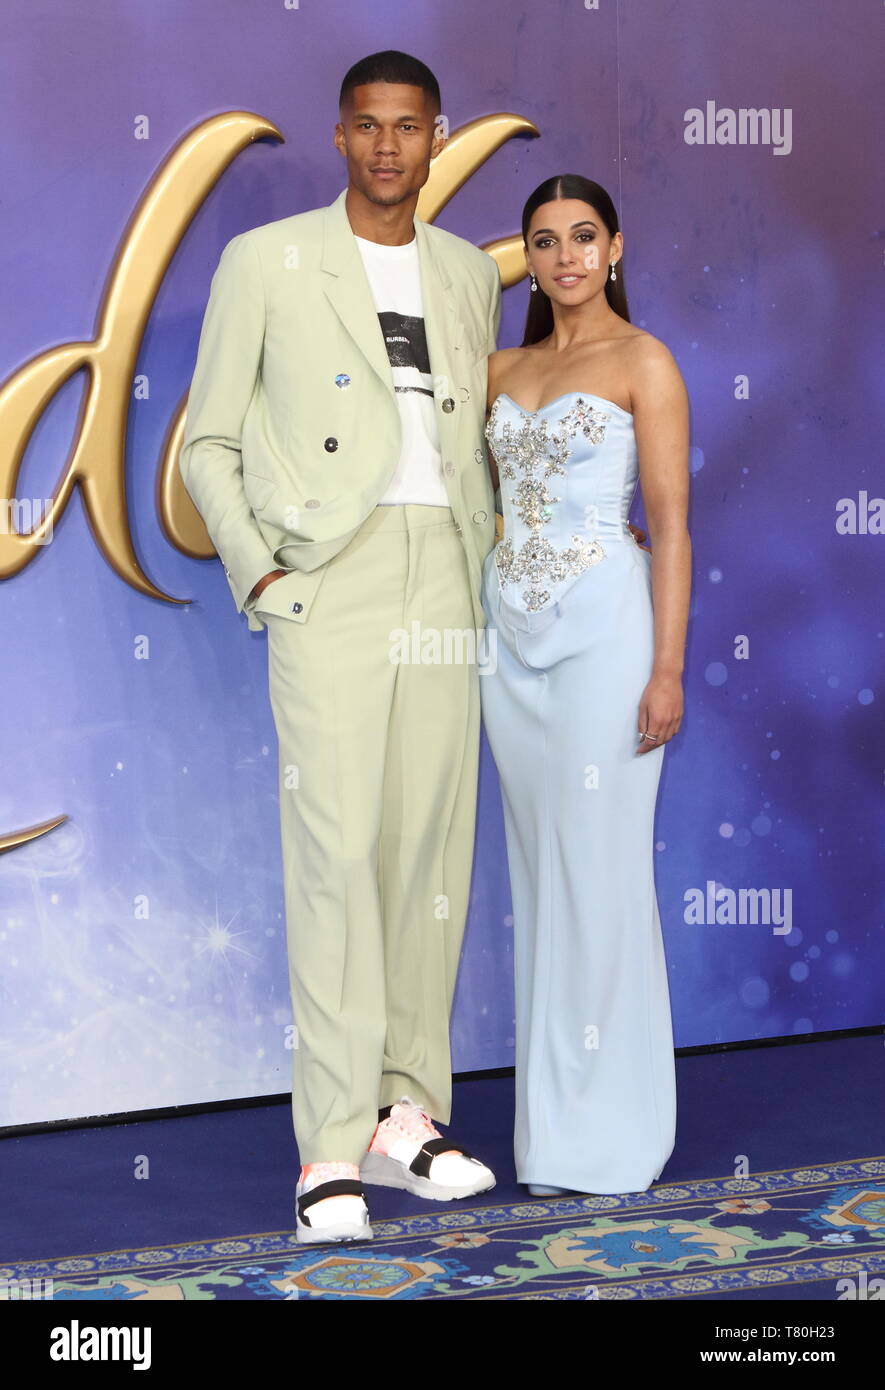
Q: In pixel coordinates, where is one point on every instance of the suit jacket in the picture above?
(282, 462)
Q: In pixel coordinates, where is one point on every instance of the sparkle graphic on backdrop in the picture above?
(406, 343)
(218, 939)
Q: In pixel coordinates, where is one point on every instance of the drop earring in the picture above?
(534, 283)
(613, 276)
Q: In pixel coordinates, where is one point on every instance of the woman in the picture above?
(584, 692)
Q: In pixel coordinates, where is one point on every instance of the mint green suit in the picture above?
(291, 436)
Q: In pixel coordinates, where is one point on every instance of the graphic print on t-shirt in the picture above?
(406, 343)
(394, 275)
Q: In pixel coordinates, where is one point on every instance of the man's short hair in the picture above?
(392, 66)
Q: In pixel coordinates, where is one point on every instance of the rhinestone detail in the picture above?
(534, 452)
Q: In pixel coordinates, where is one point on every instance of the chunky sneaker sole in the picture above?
(332, 1235)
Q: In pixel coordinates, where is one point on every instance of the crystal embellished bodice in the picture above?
(567, 475)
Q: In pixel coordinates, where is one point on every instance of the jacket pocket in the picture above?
(258, 489)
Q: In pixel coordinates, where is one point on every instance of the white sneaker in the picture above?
(330, 1204)
(408, 1151)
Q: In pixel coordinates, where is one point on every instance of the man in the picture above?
(334, 448)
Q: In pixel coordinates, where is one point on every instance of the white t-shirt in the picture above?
(395, 279)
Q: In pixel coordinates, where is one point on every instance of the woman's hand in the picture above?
(660, 711)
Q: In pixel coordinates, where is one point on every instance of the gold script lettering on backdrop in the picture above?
(96, 460)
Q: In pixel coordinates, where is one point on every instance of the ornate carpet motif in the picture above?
(812, 1232)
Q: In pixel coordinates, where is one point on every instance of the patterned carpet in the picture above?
(794, 1233)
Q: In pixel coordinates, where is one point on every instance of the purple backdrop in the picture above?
(143, 943)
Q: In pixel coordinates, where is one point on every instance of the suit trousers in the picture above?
(378, 726)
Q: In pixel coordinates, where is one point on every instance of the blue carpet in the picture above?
(808, 1119)
(795, 1232)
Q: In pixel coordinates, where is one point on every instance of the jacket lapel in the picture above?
(349, 294)
(442, 325)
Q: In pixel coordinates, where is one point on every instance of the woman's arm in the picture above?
(661, 426)
(491, 393)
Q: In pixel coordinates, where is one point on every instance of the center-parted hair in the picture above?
(539, 317)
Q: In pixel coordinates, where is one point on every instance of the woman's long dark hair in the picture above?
(539, 319)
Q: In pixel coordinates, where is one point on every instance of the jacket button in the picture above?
(312, 502)
(479, 516)
(297, 607)
(448, 405)
(450, 468)
(331, 444)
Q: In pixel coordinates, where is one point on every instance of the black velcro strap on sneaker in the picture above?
(336, 1187)
(420, 1164)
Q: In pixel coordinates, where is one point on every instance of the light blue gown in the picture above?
(567, 597)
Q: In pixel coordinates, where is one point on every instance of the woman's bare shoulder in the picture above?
(503, 356)
(653, 370)
(647, 350)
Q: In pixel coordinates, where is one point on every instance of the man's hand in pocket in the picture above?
(262, 584)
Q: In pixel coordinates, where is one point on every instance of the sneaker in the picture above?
(408, 1151)
(330, 1204)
